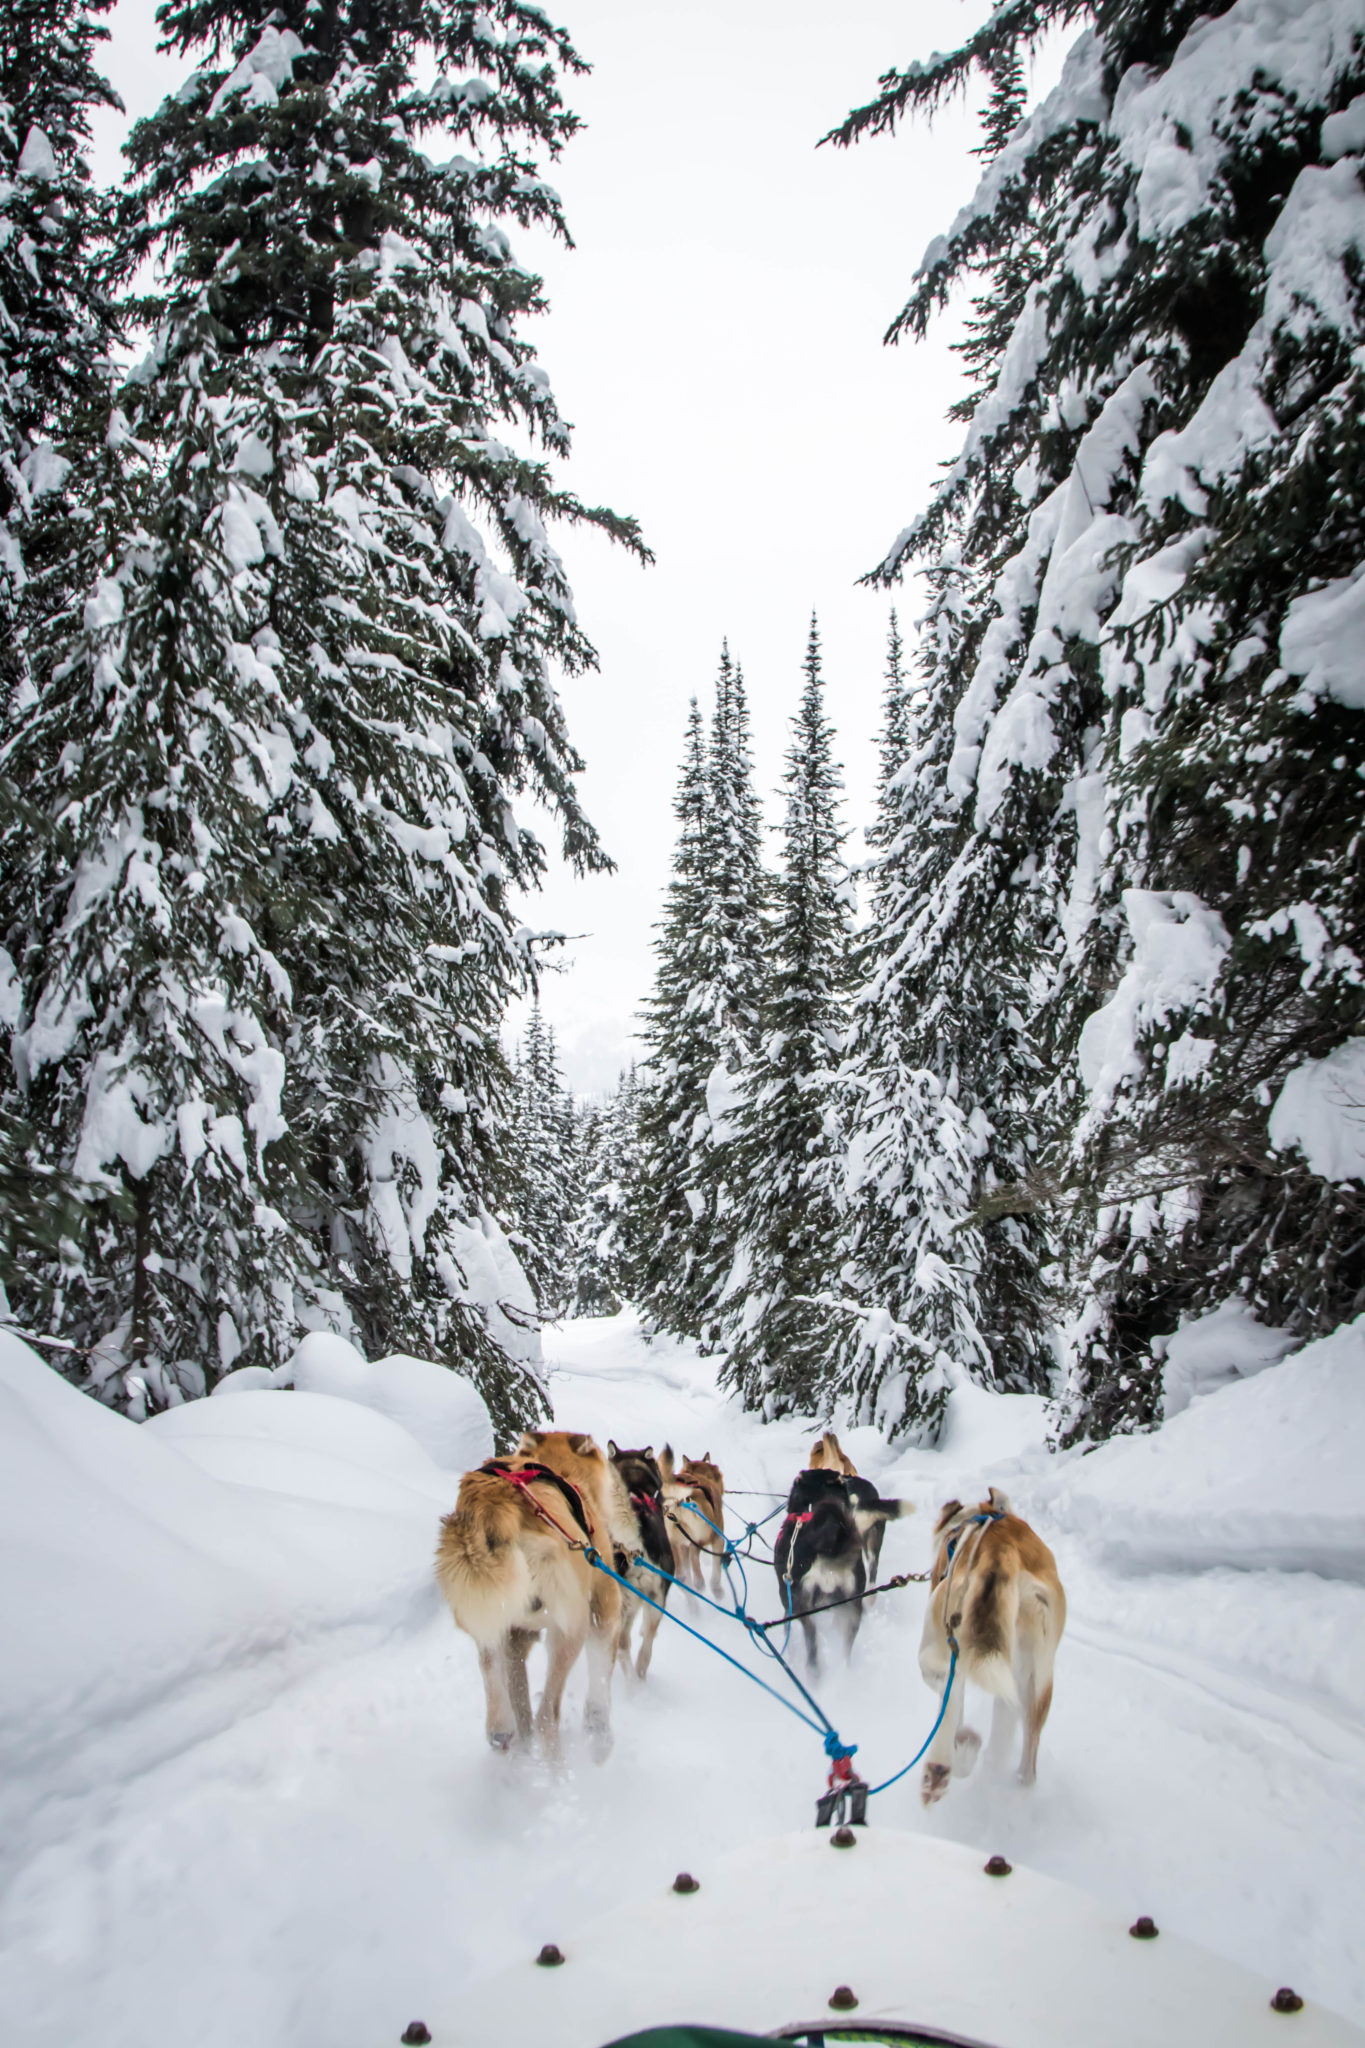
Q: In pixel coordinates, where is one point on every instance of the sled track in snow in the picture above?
(1330, 1738)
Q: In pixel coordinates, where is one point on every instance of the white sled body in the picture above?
(914, 1927)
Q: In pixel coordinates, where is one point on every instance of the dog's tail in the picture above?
(987, 1630)
(480, 1566)
(894, 1510)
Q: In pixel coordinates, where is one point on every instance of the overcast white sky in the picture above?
(716, 339)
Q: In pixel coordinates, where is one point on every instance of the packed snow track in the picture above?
(247, 1796)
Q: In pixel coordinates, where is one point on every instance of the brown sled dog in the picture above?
(694, 1501)
(995, 1586)
(870, 1512)
(639, 1482)
(829, 1455)
(510, 1575)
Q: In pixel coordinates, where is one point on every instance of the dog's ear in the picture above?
(582, 1444)
(648, 1451)
(612, 1451)
(946, 1513)
(531, 1440)
(1000, 1502)
(705, 1458)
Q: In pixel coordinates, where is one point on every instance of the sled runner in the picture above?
(903, 1938)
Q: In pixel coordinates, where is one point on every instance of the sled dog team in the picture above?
(512, 1563)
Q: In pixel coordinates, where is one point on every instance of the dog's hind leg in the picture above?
(966, 1750)
(1037, 1704)
(564, 1645)
(1036, 1650)
(604, 1628)
(941, 1757)
(1004, 1727)
(499, 1721)
(872, 1548)
(628, 1607)
(519, 1641)
(811, 1632)
(649, 1628)
(718, 1570)
(934, 1664)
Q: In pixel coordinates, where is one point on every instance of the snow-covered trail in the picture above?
(320, 1868)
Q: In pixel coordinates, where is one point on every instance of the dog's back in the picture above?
(819, 1523)
(494, 1547)
(1005, 1601)
(706, 1482)
(480, 1565)
(511, 1561)
(642, 1480)
(818, 1556)
(997, 1596)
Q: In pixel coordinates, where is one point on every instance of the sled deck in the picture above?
(930, 1948)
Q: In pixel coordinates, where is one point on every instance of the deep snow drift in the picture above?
(246, 1794)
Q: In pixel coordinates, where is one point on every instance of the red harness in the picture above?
(523, 1476)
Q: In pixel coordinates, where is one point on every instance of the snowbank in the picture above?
(1213, 1350)
(1264, 1474)
(308, 1447)
(135, 1558)
(441, 1409)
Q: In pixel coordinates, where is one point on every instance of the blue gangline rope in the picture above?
(596, 1562)
(834, 1747)
(873, 1790)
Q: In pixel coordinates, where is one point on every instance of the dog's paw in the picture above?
(501, 1738)
(966, 1750)
(934, 1783)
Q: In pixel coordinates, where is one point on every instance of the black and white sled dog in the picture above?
(870, 1512)
(820, 1554)
(638, 1491)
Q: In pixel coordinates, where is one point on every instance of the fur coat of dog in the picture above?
(996, 1593)
(508, 1566)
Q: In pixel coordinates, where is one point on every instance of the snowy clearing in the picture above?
(246, 1792)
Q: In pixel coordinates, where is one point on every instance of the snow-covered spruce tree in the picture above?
(355, 305)
(56, 326)
(606, 1232)
(56, 318)
(151, 1009)
(1145, 676)
(786, 1158)
(894, 740)
(547, 1192)
(732, 963)
(914, 1151)
(682, 1040)
(147, 1014)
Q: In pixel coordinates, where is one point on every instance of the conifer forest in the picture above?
(682, 942)
(1058, 1050)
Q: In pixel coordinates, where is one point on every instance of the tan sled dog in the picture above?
(694, 1503)
(829, 1455)
(509, 1573)
(995, 1586)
